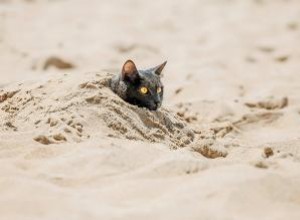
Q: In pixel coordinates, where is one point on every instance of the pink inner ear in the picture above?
(129, 69)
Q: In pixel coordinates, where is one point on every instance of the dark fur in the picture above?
(127, 87)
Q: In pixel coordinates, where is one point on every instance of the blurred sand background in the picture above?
(232, 73)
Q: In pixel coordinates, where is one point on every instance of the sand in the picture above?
(225, 144)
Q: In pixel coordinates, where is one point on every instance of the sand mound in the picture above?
(63, 115)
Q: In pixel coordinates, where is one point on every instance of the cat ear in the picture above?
(129, 71)
(158, 69)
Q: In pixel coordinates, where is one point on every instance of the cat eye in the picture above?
(159, 90)
(143, 90)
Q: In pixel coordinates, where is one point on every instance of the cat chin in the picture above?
(149, 106)
(152, 108)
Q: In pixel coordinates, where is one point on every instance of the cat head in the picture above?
(144, 87)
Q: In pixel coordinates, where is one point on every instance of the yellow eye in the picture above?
(143, 90)
(159, 90)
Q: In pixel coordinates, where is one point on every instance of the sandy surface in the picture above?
(225, 145)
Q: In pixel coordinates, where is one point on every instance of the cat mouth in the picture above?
(154, 107)
(150, 106)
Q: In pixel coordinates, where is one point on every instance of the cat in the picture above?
(139, 87)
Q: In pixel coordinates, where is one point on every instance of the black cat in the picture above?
(139, 87)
